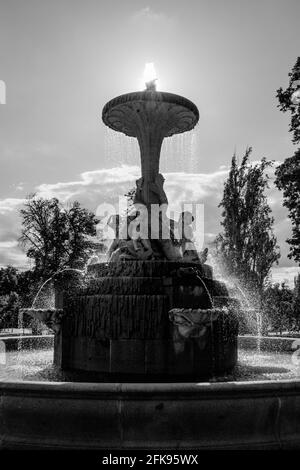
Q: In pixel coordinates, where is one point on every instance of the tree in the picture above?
(56, 237)
(289, 100)
(9, 300)
(288, 180)
(288, 173)
(296, 303)
(247, 248)
(278, 307)
(16, 291)
(8, 280)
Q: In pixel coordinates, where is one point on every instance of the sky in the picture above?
(62, 60)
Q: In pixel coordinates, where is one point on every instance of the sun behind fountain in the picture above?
(150, 77)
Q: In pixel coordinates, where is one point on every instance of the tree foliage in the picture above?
(9, 309)
(282, 307)
(17, 290)
(8, 280)
(9, 299)
(247, 247)
(288, 180)
(278, 302)
(289, 102)
(288, 173)
(56, 237)
(296, 302)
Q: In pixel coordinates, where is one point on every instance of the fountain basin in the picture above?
(239, 415)
(253, 414)
(40, 342)
(167, 113)
(269, 343)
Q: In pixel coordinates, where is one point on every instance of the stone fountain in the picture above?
(153, 311)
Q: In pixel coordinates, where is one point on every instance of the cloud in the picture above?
(14, 257)
(10, 226)
(10, 204)
(148, 15)
(93, 187)
(106, 185)
(12, 254)
(8, 244)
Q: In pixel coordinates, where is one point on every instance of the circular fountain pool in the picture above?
(257, 406)
(32, 360)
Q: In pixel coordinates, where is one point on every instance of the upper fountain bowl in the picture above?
(170, 114)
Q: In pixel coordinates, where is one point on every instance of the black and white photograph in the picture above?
(149, 229)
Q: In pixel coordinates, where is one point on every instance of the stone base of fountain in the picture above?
(261, 413)
(218, 416)
(148, 320)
